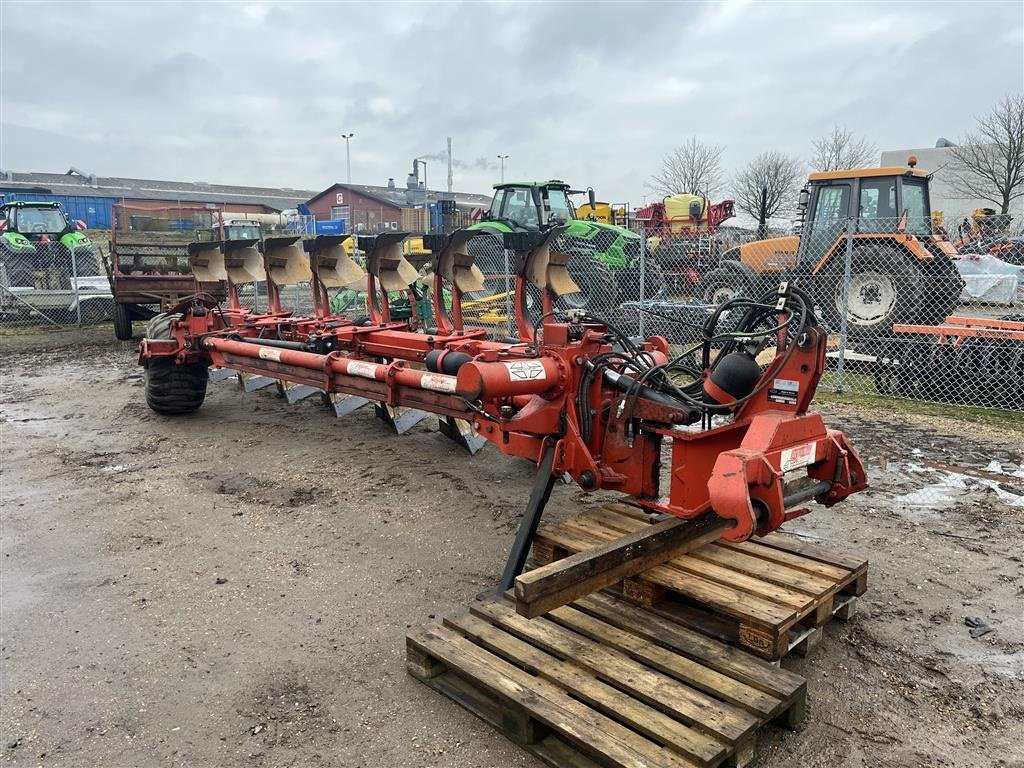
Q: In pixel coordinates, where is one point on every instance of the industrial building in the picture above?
(89, 197)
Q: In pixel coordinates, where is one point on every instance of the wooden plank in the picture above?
(766, 570)
(813, 551)
(771, 554)
(685, 670)
(701, 748)
(562, 581)
(759, 587)
(711, 653)
(721, 597)
(600, 736)
(691, 706)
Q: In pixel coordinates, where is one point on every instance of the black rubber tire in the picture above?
(943, 287)
(900, 289)
(599, 290)
(122, 323)
(173, 389)
(720, 280)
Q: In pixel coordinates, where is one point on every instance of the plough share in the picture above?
(728, 417)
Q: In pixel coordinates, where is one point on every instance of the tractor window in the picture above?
(915, 203)
(39, 221)
(519, 208)
(495, 211)
(558, 202)
(877, 205)
(831, 208)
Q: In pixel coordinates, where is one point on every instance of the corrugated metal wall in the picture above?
(94, 211)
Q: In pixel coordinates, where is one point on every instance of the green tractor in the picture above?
(605, 259)
(40, 247)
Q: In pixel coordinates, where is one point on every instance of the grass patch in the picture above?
(1011, 421)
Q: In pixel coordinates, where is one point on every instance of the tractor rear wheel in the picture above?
(173, 389)
(598, 288)
(122, 323)
(885, 288)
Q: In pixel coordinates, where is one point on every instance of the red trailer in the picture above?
(148, 266)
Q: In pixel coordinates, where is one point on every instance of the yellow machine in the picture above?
(900, 271)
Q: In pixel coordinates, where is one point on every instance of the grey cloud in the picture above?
(594, 93)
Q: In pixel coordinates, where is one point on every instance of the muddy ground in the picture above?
(233, 588)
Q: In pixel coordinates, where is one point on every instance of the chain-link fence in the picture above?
(910, 312)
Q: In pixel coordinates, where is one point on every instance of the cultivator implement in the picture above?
(572, 393)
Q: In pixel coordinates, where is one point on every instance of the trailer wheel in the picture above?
(173, 389)
(122, 323)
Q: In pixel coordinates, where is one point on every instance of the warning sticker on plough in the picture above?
(526, 370)
(801, 456)
(269, 353)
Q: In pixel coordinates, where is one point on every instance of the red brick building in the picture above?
(363, 208)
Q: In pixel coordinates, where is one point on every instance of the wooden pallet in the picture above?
(605, 682)
(768, 595)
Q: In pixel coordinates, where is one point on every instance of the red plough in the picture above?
(573, 394)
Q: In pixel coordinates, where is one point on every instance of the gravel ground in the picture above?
(233, 588)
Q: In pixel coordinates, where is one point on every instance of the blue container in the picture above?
(331, 227)
(94, 211)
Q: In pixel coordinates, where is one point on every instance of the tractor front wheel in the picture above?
(721, 284)
(173, 389)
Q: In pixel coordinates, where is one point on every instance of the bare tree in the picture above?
(841, 149)
(989, 163)
(693, 166)
(768, 186)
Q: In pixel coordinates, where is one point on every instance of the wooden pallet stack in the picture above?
(769, 595)
(645, 674)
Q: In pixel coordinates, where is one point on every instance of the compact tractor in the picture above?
(605, 259)
(899, 270)
(572, 394)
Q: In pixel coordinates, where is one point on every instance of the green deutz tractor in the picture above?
(37, 241)
(605, 260)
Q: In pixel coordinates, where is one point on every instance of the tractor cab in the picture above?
(532, 206)
(37, 221)
(880, 200)
(232, 229)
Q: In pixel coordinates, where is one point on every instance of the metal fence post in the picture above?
(844, 318)
(74, 284)
(509, 320)
(643, 276)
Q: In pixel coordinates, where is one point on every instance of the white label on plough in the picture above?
(801, 456)
(438, 383)
(269, 353)
(366, 370)
(526, 370)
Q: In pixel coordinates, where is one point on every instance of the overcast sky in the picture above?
(594, 93)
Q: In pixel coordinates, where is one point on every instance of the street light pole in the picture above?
(426, 203)
(348, 155)
(503, 158)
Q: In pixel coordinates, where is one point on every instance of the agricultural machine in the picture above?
(48, 265)
(900, 271)
(963, 360)
(149, 268)
(682, 235)
(604, 259)
(572, 394)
